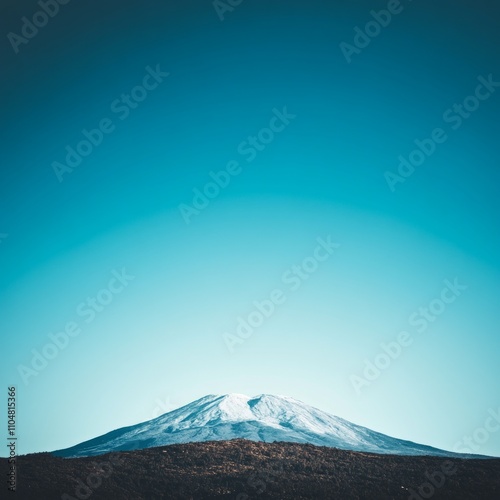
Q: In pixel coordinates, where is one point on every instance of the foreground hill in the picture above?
(243, 470)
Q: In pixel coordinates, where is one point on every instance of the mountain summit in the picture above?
(264, 418)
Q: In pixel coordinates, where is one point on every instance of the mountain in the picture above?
(263, 418)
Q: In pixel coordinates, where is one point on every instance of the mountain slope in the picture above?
(264, 418)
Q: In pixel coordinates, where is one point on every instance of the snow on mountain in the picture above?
(261, 418)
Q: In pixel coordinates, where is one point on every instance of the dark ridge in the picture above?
(244, 470)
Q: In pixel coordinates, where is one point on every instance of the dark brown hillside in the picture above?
(244, 470)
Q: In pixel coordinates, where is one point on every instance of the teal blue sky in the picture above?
(324, 174)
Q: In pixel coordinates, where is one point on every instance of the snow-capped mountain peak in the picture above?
(265, 418)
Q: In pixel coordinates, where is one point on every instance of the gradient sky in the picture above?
(161, 338)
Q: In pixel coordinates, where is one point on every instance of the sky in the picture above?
(246, 159)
